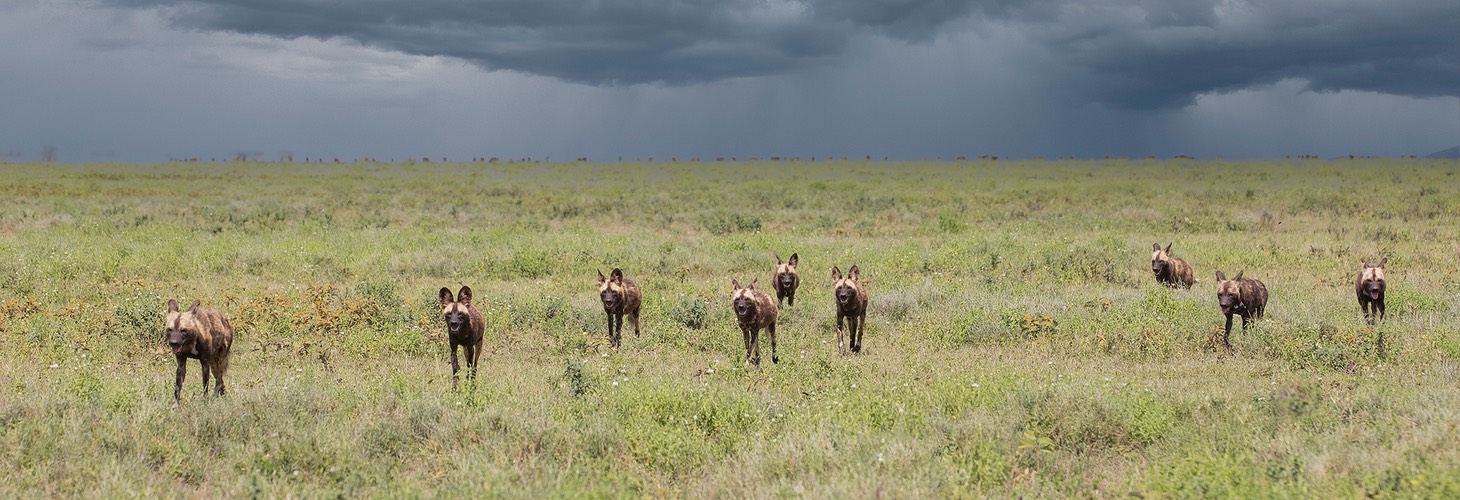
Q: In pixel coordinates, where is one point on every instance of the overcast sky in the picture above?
(142, 80)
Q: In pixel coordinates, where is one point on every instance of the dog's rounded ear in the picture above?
(1239, 275)
(794, 259)
(617, 275)
(464, 296)
(836, 273)
(734, 284)
(855, 273)
(194, 309)
(1155, 247)
(172, 305)
(752, 282)
(446, 296)
(1221, 277)
(1168, 248)
(1383, 261)
(778, 259)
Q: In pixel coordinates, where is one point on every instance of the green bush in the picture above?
(690, 312)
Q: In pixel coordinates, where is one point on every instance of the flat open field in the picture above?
(1017, 341)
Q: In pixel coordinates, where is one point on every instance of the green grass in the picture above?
(1016, 343)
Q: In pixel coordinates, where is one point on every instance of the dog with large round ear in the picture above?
(786, 280)
(1370, 289)
(1245, 297)
(1170, 270)
(465, 328)
(621, 297)
(851, 307)
(754, 311)
(200, 333)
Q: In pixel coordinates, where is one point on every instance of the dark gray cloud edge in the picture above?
(1406, 48)
(1136, 54)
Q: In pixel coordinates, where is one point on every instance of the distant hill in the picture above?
(1448, 154)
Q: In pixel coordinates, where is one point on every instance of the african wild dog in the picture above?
(786, 280)
(1244, 297)
(465, 327)
(1370, 289)
(851, 305)
(754, 310)
(202, 334)
(1170, 271)
(620, 296)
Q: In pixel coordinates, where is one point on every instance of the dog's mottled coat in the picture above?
(465, 328)
(851, 307)
(620, 297)
(785, 281)
(1170, 270)
(1370, 289)
(754, 311)
(199, 333)
(1245, 297)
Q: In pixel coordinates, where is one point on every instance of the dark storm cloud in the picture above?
(1156, 55)
(601, 43)
(1126, 53)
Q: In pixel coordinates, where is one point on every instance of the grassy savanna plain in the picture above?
(1017, 342)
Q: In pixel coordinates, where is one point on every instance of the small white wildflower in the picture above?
(615, 383)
